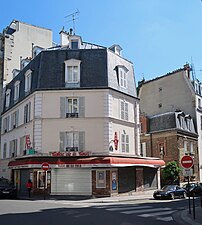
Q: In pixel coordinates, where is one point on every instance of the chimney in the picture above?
(187, 70)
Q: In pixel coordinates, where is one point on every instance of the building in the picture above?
(175, 91)
(170, 136)
(75, 107)
(20, 42)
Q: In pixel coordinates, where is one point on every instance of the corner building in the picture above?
(75, 107)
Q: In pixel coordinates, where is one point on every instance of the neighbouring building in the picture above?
(75, 107)
(170, 136)
(175, 91)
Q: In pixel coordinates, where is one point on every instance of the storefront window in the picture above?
(100, 179)
(41, 179)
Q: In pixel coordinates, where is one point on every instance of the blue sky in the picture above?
(158, 36)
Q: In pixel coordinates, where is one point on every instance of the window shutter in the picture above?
(81, 141)
(12, 120)
(17, 118)
(81, 106)
(62, 107)
(62, 141)
(22, 146)
(8, 123)
(122, 110)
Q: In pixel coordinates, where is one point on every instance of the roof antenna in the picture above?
(74, 16)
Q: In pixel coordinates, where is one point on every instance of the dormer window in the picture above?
(15, 72)
(16, 90)
(74, 42)
(28, 79)
(8, 95)
(72, 71)
(24, 63)
(36, 50)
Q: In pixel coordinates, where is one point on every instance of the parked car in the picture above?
(7, 189)
(170, 192)
(193, 189)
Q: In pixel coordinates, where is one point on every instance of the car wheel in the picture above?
(172, 196)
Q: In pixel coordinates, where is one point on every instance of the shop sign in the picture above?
(116, 141)
(70, 153)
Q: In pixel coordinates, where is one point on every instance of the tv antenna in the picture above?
(74, 16)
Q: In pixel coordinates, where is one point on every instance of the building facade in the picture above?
(170, 136)
(175, 91)
(76, 108)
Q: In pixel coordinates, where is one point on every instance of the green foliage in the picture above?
(171, 172)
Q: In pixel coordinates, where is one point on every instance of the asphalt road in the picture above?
(139, 212)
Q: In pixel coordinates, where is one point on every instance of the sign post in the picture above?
(45, 167)
(187, 162)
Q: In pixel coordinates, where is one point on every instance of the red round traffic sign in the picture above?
(187, 162)
(45, 166)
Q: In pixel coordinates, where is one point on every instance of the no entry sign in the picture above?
(45, 166)
(187, 162)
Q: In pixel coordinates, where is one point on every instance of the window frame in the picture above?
(28, 80)
(8, 97)
(16, 90)
(124, 110)
(72, 63)
(125, 143)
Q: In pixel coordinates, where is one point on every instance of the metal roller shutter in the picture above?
(71, 182)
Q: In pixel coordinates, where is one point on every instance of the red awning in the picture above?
(108, 161)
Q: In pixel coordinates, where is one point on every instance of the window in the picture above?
(28, 78)
(6, 122)
(191, 147)
(72, 141)
(125, 142)
(41, 179)
(100, 179)
(13, 148)
(72, 71)
(181, 118)
(14, 119)
(27, 112)
(201, 122)
(185, 147)
(199, 103)
(72, 107)
(8, 95)
(143, 149)
(122, 78)
(16, 90)
(74, 44)
(4, 150)
(124, 110)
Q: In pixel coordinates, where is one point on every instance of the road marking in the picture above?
(145, 210)
(157, 213)
(129, 208)
(166, 219)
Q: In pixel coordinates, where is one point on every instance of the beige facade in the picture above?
(101, 120)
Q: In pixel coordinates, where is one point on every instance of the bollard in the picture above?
(201, 200)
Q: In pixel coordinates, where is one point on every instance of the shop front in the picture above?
(86, 176)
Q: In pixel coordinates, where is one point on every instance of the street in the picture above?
(52, 212)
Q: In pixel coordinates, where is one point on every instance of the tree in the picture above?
(171, 172)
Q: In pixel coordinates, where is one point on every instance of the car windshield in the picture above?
(168, 188)
(4, 182)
